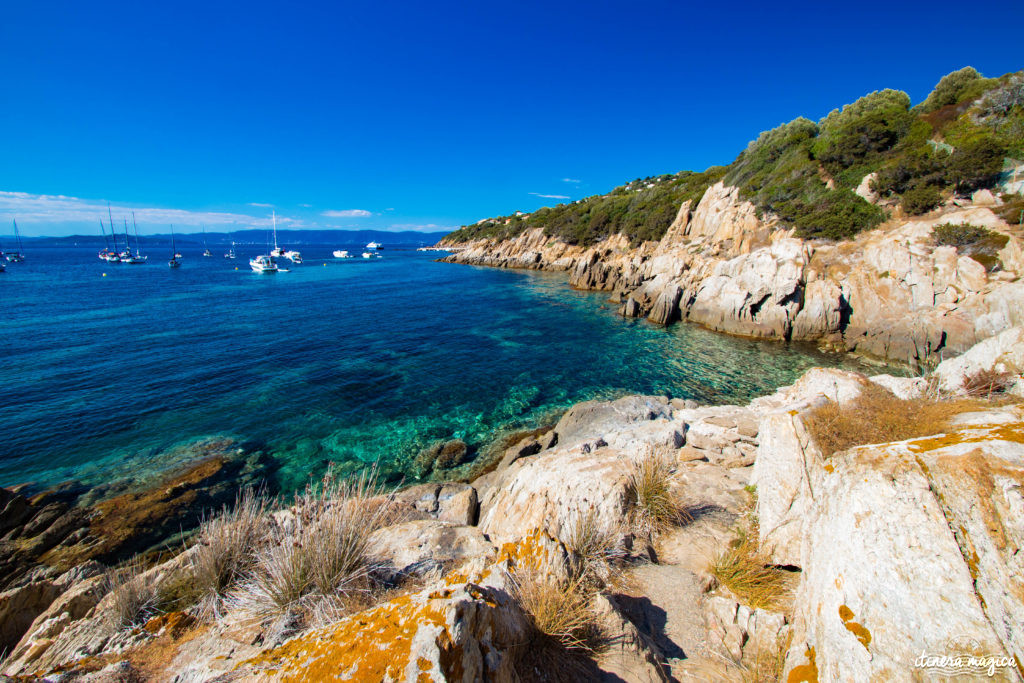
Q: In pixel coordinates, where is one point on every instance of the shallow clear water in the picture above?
(102, 377)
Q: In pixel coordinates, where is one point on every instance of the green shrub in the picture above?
(953, 88)
(979, 243)
(958, 235)
(1012, 209)
(976, 164)
(860, 132)
(920, 199)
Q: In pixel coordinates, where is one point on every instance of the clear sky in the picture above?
(427, 115)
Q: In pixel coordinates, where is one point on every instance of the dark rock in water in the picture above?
(443, 455)
(61, 528)
(666, 308)
(631, 308)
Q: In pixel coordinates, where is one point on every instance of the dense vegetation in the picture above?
(641, 210)
(805, 173)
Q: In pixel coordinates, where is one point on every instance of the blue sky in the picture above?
(426, 115)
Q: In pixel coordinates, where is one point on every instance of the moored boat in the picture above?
(341, 253)
(263, 264)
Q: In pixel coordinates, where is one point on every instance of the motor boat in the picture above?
(373, 245)
(293, 256)
(263, 264)
(341, 253)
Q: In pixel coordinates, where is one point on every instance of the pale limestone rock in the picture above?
(591, 420)
(547, 491)
(629, 655)
(864, 189)
(1001, 353)
(902, 387)
(886, 579)
(422, 547)
(460, 631)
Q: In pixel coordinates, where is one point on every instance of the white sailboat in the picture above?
(16, 256)
(276, 251)
(206, 249)
(174, 262)
(265, 263)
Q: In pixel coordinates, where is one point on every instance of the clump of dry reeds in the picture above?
(132, 599)
(878, 416)
(656, 507)
(226, 547)
(749, 574)
(318, 559)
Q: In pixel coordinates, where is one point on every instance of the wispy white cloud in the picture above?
(421, 227)
(549, 196)
(306, 206)
(347, 213)
(575, 181)
(55, 209)
(261, 204)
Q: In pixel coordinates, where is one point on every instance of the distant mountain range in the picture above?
(289, 238)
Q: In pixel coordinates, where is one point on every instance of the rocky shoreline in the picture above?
(891, 293)
(882, 552)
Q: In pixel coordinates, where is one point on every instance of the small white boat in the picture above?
(263, 264)
(134, 259)
(373, 245)
(341, 253)
(231, 252)
(174, 262)
(370, 254)
(293, 256)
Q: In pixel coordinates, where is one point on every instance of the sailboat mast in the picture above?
(17, 236)
(274, 214)
(174, 251)
(138, 249)
(204, 237)
(127, 236)
(106, 242)
(113, 232)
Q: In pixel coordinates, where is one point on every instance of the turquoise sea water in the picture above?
(104, 377)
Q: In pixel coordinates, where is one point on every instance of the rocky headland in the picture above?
(779, 559)
(892, 293)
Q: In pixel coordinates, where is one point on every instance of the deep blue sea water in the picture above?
(109, 376)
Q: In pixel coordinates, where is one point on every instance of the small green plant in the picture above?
(959, 234)
(920, 199)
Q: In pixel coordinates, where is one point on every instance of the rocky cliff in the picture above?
(882, 558)
(891, 293)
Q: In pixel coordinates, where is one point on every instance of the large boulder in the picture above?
(908, 546)
(591, 420)
(422, 547)
(463, 631)
(1001, 353)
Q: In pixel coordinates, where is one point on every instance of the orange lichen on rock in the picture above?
(1012, 432)
(804, 673)
(858, 630)
(371, 645)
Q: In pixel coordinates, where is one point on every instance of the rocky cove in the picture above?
(879, 554)
(891, 293)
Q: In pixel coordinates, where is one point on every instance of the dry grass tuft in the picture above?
(226, 547)
(878, 416)
(986, 383)
(317, 561)
(655, 506)
(744, 570)
(559, 609)
(132, 599)
(769, 662)
(596, 545)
